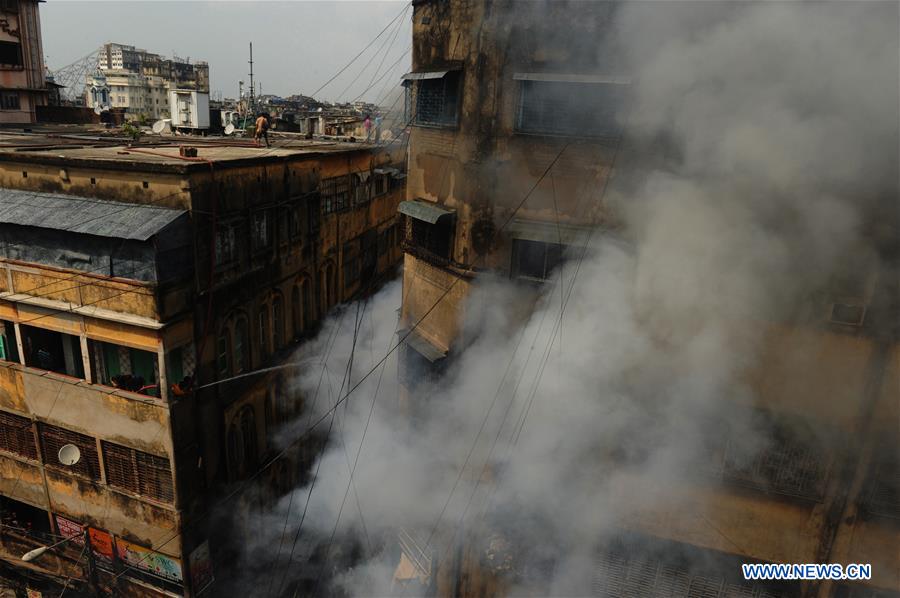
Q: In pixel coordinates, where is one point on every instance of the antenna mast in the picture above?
(252, 96)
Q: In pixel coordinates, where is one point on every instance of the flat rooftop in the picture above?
(94, 146)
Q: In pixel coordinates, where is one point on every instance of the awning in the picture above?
(423, 346)
(572, 78)
(548, 232)
(424, 75)
(391, 171)
(424, 210)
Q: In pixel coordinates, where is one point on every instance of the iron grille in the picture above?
(570, 109)
(16, 436)
(54, 438)
(787, 466)
(138, 472)
(617, 576)
(437, 100)
(883, 497)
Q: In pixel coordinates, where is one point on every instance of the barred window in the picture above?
(437, 100)
(138, 472)
(16, 436)
(570, 109)
(883, 487)
(336, 194)
(54, 438)
(791, 463)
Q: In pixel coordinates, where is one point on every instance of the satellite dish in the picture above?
(69, 454)
(159, 126)
(229, 129)
(98, 109)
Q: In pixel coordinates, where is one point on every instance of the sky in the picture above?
(297, 46)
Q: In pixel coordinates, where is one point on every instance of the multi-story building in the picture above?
(140, 81)
(22, 85)
(134, 283)
(496, 95)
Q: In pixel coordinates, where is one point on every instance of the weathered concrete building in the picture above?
(497, 100)
(22, 85)
(135, 280)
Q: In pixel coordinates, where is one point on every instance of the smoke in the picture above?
(761, 138)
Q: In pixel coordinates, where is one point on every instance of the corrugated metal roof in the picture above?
(89, 216)
(424, 210)
(424, 75)
(571, 78)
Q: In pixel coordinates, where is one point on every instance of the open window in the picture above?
(130, 369)
(53, 351)
(429, 230)
(436, 97)
(9, 350)
(570, 105)
(11, 54)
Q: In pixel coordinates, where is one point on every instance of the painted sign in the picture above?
(144, 559)
(69, 529)
(201, 568)
(102, 548)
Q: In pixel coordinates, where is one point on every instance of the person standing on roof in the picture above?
(367, 125)
(262, 129)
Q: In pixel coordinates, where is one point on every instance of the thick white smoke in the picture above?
(759, 138)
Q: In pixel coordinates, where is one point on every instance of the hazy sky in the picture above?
(297, 46)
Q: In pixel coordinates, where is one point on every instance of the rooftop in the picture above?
(95, 146)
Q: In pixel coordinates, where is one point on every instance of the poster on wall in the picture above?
(144, 559)
(102, 548)
(201, 568)
(69, 529)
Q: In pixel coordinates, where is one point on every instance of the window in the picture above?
(129, 369)
(226, 245)
(533, 260)
(53, 351)
(9, 100)
(572, 109)
(360, 188)
(882, 494)
(138, 472)
(11, 54)
(429, 240)
(295, 222)
(380, 184)
(222, 353)
(54, 438)
(263, 332)
(241, 346)
(437, 100)
(261, 237)
(277, 321)
(335, 194)
(9, 6)
(9, 351)
(16, 436)
(350, 263)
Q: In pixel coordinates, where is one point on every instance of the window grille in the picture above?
(570, 109)
(138, 472)
(16, 436)
(54, 438)
(429, 241)
(437, 100)
(883, 496)
(335, 194)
